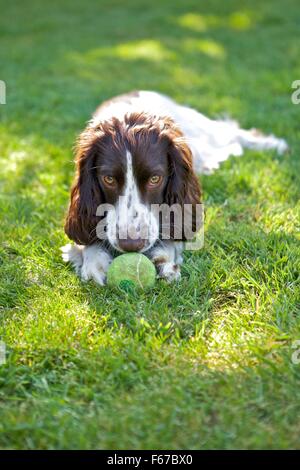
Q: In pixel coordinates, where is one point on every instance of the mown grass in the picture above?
(206, 363)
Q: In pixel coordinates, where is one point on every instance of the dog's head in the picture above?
(123, 170)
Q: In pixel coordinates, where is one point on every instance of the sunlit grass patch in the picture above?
(197, 22)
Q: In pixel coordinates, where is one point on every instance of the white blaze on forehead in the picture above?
(129, 203)
(131, 191)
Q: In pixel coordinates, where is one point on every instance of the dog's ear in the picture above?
(86, 194)
(183, 187)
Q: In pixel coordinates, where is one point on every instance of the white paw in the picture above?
(90, 262)
(95, 264)
(92, 273)
(169, 271)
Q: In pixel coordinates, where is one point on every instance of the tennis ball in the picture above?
(131, 270)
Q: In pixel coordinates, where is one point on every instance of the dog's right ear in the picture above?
(86, 194)
(183, 187)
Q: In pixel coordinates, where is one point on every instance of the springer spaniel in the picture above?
(141, 150)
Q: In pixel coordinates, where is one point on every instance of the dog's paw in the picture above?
(89, 273)
(90, 262)
(95, 264)
(169, 271)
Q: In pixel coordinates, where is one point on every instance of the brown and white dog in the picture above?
(139, 150)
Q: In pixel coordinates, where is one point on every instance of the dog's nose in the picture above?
(130, 244)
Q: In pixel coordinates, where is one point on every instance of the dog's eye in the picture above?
(155, 180)
(109, 180)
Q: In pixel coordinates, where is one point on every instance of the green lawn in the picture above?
(205, 364)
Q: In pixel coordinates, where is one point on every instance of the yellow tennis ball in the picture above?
(131, 270)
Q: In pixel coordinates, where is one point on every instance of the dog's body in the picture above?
(139, 150)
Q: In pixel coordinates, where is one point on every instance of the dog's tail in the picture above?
(254, 139)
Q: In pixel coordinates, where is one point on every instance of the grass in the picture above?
(209, 367)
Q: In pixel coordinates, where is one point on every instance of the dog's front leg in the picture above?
(167, 258)
(90, 262)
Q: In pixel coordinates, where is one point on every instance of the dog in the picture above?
(140, 150)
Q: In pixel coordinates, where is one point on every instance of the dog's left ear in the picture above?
(86, 195)
(183, 186)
